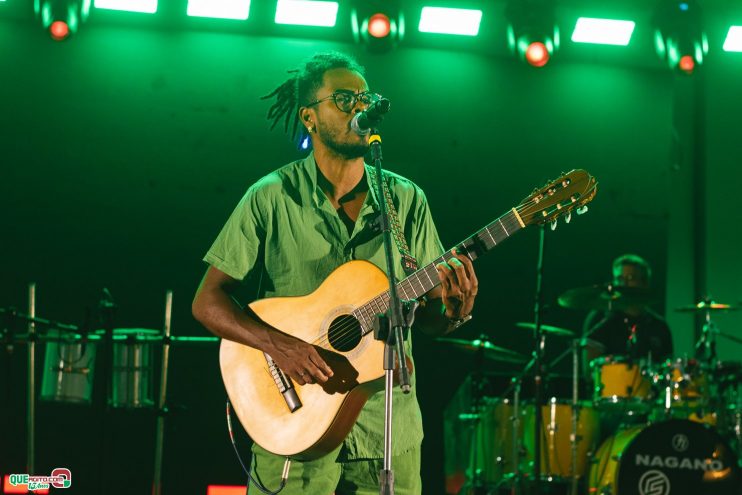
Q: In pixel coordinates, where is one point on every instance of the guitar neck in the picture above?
(426, 278)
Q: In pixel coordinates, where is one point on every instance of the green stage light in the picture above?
(733, 43)
(221, 9)
(603, 31)
(306, 13)
(464, 22)
(143, 6)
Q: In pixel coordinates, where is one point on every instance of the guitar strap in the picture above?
(409, 263)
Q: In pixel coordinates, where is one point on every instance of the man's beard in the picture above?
(347, 151)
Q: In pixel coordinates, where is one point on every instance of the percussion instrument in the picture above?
(670, 457)
(620, 384)
(69, 366)
(556, 432)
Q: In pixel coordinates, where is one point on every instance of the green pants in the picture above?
(334, 474)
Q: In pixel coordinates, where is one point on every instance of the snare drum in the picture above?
(556, 444)
(620, 384)
(69, 365)
(673, 457)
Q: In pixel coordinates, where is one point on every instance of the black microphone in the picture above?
(363, 122)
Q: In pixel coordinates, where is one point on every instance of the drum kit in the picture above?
(673, 427)
(72, 355)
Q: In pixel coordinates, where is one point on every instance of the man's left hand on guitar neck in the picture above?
(457, 292)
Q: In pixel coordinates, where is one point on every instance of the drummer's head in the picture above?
(630, 270)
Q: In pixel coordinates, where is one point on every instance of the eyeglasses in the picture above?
(346, 99)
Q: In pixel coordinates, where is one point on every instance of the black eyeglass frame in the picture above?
(365, 97)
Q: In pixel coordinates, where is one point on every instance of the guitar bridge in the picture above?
(284, 384)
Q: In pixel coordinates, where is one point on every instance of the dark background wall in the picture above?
(124, 150)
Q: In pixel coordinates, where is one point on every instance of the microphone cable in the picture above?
(258, 484)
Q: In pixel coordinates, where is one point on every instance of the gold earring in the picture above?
(310, 129)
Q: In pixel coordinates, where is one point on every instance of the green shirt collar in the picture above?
(318, 198)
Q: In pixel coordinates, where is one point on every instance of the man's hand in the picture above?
(459, 285)
(298, 360)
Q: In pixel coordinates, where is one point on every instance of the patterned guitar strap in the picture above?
(409, 263)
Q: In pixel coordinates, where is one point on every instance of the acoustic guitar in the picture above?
(306, 422)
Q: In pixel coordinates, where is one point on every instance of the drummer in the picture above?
(630, 328)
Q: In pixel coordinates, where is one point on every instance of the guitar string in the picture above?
(348, 331)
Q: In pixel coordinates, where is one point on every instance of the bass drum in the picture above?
(676, 457)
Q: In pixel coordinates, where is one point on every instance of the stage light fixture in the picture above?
(532, 31)
(306, 13)
(679, 37)
(141, 6)
(61, 18)
(733, 41)
(377, 24)
(462, 22)
(603, 31)
(220, 9)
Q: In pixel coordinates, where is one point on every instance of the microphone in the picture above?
(362, 122)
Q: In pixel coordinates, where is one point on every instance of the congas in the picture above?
(69, 365)
(620, 384)
(556, 437)
(132, 367)
(675, 457)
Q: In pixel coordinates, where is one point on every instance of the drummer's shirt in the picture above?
(652, 334)
(286, 231)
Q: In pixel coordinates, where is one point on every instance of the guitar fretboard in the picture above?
(426, 278)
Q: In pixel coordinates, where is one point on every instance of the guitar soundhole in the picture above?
(345, 333)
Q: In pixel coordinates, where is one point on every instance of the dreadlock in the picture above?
(301, 88)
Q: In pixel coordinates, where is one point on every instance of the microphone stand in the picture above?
(392, 328)
(538, 365)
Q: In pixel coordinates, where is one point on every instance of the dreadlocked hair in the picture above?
(301, 88)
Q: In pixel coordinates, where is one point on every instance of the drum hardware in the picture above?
(605, 297)
(551, 330)
(486, 349)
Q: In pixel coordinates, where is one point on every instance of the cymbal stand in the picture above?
(540, 372)
(706, 345)
(162, 401)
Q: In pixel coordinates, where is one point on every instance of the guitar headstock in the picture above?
(572, 191)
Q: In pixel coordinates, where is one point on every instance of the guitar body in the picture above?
(328, 410)
(337, 318)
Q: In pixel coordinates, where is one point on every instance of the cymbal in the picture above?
(707, 305)
(560, 332)
(605, 297)
(490, 350)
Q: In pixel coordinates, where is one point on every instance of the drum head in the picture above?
(678, 457)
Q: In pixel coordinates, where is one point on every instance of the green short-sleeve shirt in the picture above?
(286, 229)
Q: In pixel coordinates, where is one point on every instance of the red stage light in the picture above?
(379, 26)
(536, 54)
(59, 30)
(687, 64)
(225, 490)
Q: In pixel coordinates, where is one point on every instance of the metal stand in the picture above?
(162, 401)
(396, 323)
(540, 340)
(31, 383)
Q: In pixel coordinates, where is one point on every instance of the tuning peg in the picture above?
(553, 224)
(568, 216)
(582, 209)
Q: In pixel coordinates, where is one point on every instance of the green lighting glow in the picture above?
(733, 43)
(603, 31)
(441, 20)
(221, 9)
(143, 6)
(306, 13)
